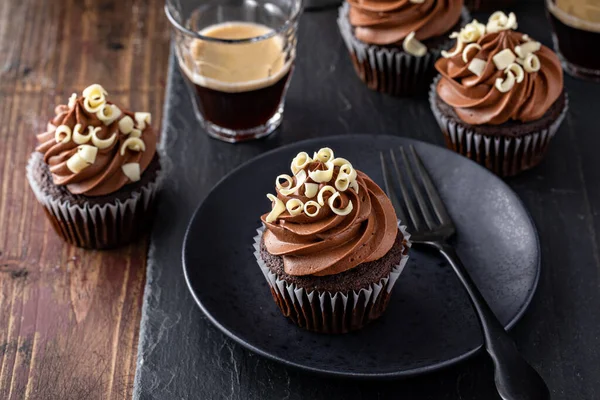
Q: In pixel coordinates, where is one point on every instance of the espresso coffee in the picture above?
(238, 86)
(577, 33)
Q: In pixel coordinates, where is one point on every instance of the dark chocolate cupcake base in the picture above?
(389, 69)
(507, 149)
(338, 303)
(96, 222)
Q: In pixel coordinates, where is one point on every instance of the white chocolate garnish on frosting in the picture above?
(417, 1)
(109, 114)
(72, 100)
(531, 63)
(278, 208)
(471, 33)
(503, 59)
(135, 144)
(517, 70)
(320, 176)
(500, 22)
(300, 161)
(62, 134)
(85, 156)
(294, 207)
(101, 143)
(527, 48)
(288, 190)
(142, 119)
(412, 46)
(325, 189)
(311, 189)
(132, 171)
(313, 204)
(135, 133)
(339, 211)
(126, 125)
(94, 98)
(467, 50)
(504, 85)
(476, 66)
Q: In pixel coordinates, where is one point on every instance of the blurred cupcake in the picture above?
(481, 5)
(331, 247)
(96, 171)
(395, 43)
(500, 97)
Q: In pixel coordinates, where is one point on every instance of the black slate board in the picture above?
(182, 356)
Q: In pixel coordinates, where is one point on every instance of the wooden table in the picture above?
(69, 318)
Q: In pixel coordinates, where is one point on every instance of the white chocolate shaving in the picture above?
(417, 1)
(527, 48)
(500, 22)
(338, 162)
(102, 143)
(126, 125)
(311, 203)
(476, 66)
(88, 153)
(94, 89)
(322, 176)
(503, 59)
(467, 50)
(517, 70)
(287, 178)
(135, 133)
(457, 50)
(300, 162)
(132, 171)
(311, 189)
(294, 207)
(85, 156)
(94, 103)
(354, 185)
(342, 183)
(531, 63)
(278, 208)
(143, 119)
(339, 211)
(325, 189)
(108, 114)
(72, 100)
(345, 177)
(80, 138)
(135, 144)
(324, 155)
(504, 85)
(412, 46)
(62, 134)
(472, 32)
(300, 179)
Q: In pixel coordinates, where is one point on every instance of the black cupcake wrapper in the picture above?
(331, 312)
(97, 227)
(504, 155)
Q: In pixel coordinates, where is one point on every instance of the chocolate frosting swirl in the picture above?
(476, 99)
(105, 175)
(388, 22)
(329, 243)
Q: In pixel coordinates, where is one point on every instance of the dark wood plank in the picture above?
(183, 356)
(69, 317)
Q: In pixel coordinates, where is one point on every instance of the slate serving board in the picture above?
(182, 356)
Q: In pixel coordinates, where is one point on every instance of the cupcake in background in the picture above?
(500, 97)
(482, 5)
(96, 171)
(395, 43)
(331, 247)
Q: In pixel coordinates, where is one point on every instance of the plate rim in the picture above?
(355, 375)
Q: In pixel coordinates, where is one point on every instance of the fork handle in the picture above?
(515, 378)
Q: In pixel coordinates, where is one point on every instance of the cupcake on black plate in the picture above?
(395, 43)
(96, 171)
(500, 96)
(331, 247)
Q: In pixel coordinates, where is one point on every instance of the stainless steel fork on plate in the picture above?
(426, 217)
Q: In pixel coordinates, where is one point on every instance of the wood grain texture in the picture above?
(69, 318)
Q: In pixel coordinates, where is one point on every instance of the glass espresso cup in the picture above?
(576, 36)
(237, 57)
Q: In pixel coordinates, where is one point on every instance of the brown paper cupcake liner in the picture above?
(505, 156)
(99, 226)
(388, 69)
(331, 312)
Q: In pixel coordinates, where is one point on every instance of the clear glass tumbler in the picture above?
(576, 35)
(237, 57)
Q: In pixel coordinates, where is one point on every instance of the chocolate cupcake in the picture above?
(481, 5)
(96, 171)
(500, 97)
(395, 43)
(331, 248)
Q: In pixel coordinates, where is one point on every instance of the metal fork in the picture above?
(515, 378)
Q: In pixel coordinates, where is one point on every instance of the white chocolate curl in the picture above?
(300, 162)
(338, 162)
(339, 211)
(471, 32)
(94, 98)
(324, 155)
(311, 203)
(300, 179)
(72, 100)
(287, 178)
(322, 176)
(135, 144)
(477, 66)
(527, 48)
(457, 50)
(85, 156)
(531, 63)
(354, 185)
(311, 189)
(345, 177)
(93, 90)
(62, 134)
(468, 49)
(503, 59)
(80, 138)
(294, 207)
(135, 133)
(126, 125)
(101, 143)
(143, 119)
(504, 85)
(325, 189)
(412, 46)
(517, 70)
(500, 22)
(132, 171)
(277, 210)
(417, 1)
(108, 114)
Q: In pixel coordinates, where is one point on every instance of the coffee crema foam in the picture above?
(578, 14)
(236, 67)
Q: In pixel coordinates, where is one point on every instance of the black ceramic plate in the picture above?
(429, 323)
